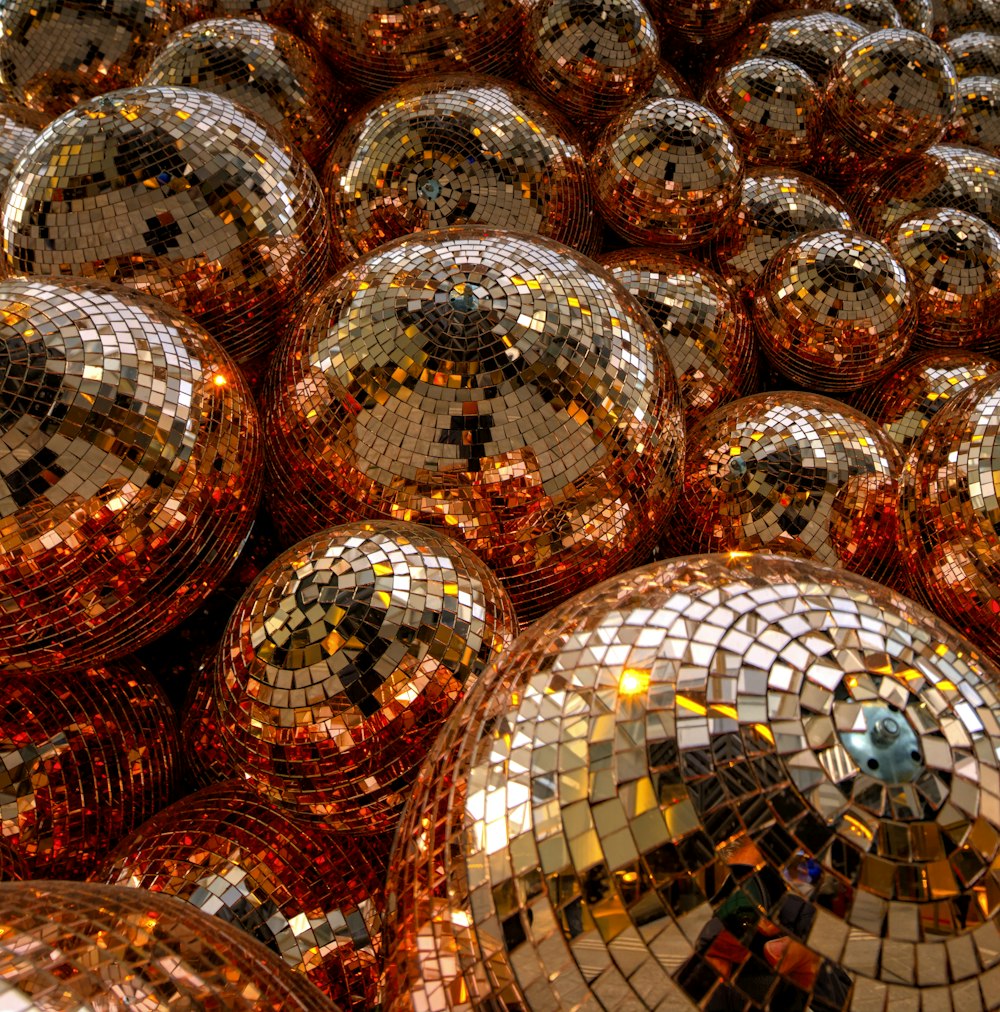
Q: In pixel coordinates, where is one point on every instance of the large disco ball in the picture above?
(87, 756)
(342, 661)
(71, 945)
(457, 150)
(312, 896)
(496, 384)
(721, 782)
(131, 476)
(179, 193)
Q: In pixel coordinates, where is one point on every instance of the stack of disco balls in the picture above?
(500, 505)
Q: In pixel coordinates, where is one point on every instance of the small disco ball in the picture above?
(706, 329)
(973, 16)
(977, 119)
(457, 150)
(920, 15)
(667, 172)
(376, 44)
(949, 515)
(261, 67)
(132, 474)
(908, 398)
(699, 22)
(952, 259)
(87, 756)
(669, 83)
(75, 945)
(496, 384)
(179, 193)
(775, 206)
(772, 784)
(312, 896)
(343, 659)
(773, 108)
(796, 473)
(834, 310)
(15, 135)
(55, 53)
(975, 54)
(871, 14)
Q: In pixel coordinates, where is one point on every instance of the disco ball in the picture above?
(87, 756)
(132, 470)
(496, 384)
(920, 16)
(179, 193)
(952, 259)
(977, 119)
(773, 108)
(834, 310)
(206, 758)
(722, 782)
(705, 329)
(263, 68)
(796, 473)
(906, 400)
(949, 527)
(870, 14)
(279, 12)
(15, 135)
(669, 83)
(975, 54)
(342, 661)
(700, 22)
(667, 172)
(312, 896)
(973, 16)
(453, 151)
(71, 945)
(775, 206)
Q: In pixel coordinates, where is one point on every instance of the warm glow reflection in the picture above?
(633, 682)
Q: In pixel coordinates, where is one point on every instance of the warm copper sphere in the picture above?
(131, 475)
(497, 384)
(699, 22)
(908, 398)
(314, 897)
(452, 151)
(667, 172)
(772, 784)
(977, 117)
(791, 472)
(974, 54)
(71, 945)
(87, 756)
(834, 310)
(266, 69)
(705, 328)
(177, 192)
(952, 259)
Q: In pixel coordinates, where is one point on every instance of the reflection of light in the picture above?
(726, 711)
(690, 704)
(858, 826)
(633, 681)
(630, 876)
(764, 731)
(219, 380)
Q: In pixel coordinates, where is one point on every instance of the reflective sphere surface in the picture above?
(15, 135)
(975, 53)
(977, 117)
(700, 21)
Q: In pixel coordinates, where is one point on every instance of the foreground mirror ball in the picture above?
(718, 782)
(131, 476)
(179, 193)
(83, 946)
(499, 385)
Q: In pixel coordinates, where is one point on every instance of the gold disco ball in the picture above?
(457, 150)
(870, 14)
(834, 310)
(130, 475)
(86, 946)
(496, 384)
(719, 782)
(179, 193)
(700, 22)
(796, 473)
(975, 54)
(977, 118)
(923, 16)
(261, 67)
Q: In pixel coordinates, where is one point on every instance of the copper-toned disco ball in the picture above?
(773, 108)
(706, 329)
(453, 151)
(87, 756)
(952, 259)
(15, 135)
(744, 782)
(792, 472)
(376, 44)
(206, 757)
(312, 896)
(75, 945)
(834, 310)
(906, 400)
(920, 16)
(950, 515)
(496, 384)
(177, 192)
(342, 661)
(669, 83)
(667, 172)
(55, 53)
(131, 473)
(279, 12)
(775, 206)
(975, 54)
(977, 119)
(264, 68)
(871, 14)
(699, 22)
